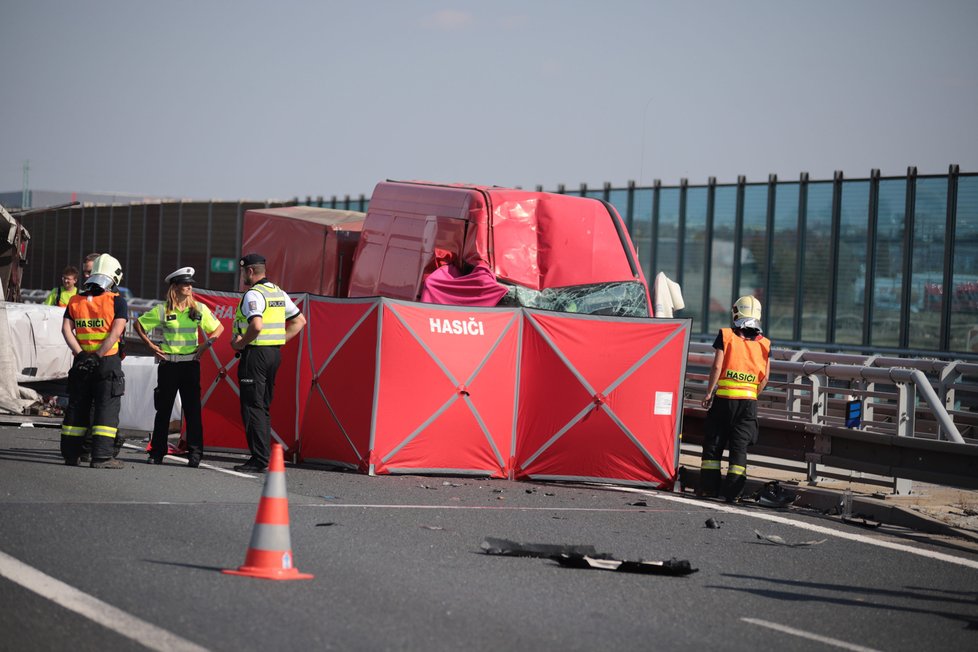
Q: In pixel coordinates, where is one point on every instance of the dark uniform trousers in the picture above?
(256, 381)
(730, 423)
(103, 389)
(173, 377)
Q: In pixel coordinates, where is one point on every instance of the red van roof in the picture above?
(536, 240)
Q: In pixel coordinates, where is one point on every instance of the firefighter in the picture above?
(266, 319)
(60, 295)
(180, 317)
(87, 266)
(86, 456)
(740, 371)
(94, 321)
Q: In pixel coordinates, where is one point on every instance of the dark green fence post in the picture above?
(872, 242)
(738, 243)
(834, 234)
(654, 228)
(681, 231)
(711, 197)
(800, 254)
(630, 212)
(908, 229)
(950, 229)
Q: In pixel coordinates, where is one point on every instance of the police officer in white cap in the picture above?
(181, 318)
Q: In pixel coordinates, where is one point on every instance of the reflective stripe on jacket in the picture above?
(93, 316)
(744, 365)
(179, 330)
(273, 317)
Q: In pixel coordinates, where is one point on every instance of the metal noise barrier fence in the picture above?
(916, 417)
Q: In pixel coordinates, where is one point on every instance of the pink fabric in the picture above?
(448, 286)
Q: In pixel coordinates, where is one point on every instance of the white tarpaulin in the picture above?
(137, 411)
(39, 348)
(11, 399)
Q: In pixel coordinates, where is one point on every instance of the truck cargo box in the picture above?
(311, 249)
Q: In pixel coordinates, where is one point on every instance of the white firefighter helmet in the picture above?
(746, 313)
(106, 272)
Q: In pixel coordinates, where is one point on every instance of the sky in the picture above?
(208, 99)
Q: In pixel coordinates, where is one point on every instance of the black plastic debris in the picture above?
(713, 524)
(585, 556)
(507, 548)
(772, 494)
(327, 524)
(774, 538)
(639, 503)
(674, 567)
(862, 521)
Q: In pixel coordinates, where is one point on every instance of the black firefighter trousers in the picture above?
(730, 423)
(102, 388)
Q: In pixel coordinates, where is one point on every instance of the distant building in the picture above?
(42, 198)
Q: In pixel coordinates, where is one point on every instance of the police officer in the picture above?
(60, 295)
(180, 317)
(266, 319)
(741, 367)
(94, 321)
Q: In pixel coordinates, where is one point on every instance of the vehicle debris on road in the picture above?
(774, 538)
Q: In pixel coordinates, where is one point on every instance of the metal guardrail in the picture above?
(917, 420)
(137, 307)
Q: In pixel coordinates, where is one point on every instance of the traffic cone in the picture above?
(270, 551)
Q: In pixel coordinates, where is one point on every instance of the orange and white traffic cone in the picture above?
(270, 551)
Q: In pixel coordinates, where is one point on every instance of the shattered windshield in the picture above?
(620, 299)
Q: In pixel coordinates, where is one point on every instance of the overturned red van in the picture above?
(548, 251)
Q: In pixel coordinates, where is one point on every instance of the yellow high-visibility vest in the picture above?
(273, 317)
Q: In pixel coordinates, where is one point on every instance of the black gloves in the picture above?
(87, 363)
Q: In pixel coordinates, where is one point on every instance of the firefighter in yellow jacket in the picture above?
(94, 321)
(741, 367)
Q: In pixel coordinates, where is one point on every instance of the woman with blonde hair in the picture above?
(180, 318)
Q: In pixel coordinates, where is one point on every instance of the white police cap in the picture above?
(182, 275)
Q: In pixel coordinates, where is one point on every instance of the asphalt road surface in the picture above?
(130, 560)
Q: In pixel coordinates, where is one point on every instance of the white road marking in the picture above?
(202, 464)
(821, 529)
(812, 637)
(498, 508)
(120, 622)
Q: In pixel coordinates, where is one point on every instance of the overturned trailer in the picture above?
(14, 239)
(486, 331)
